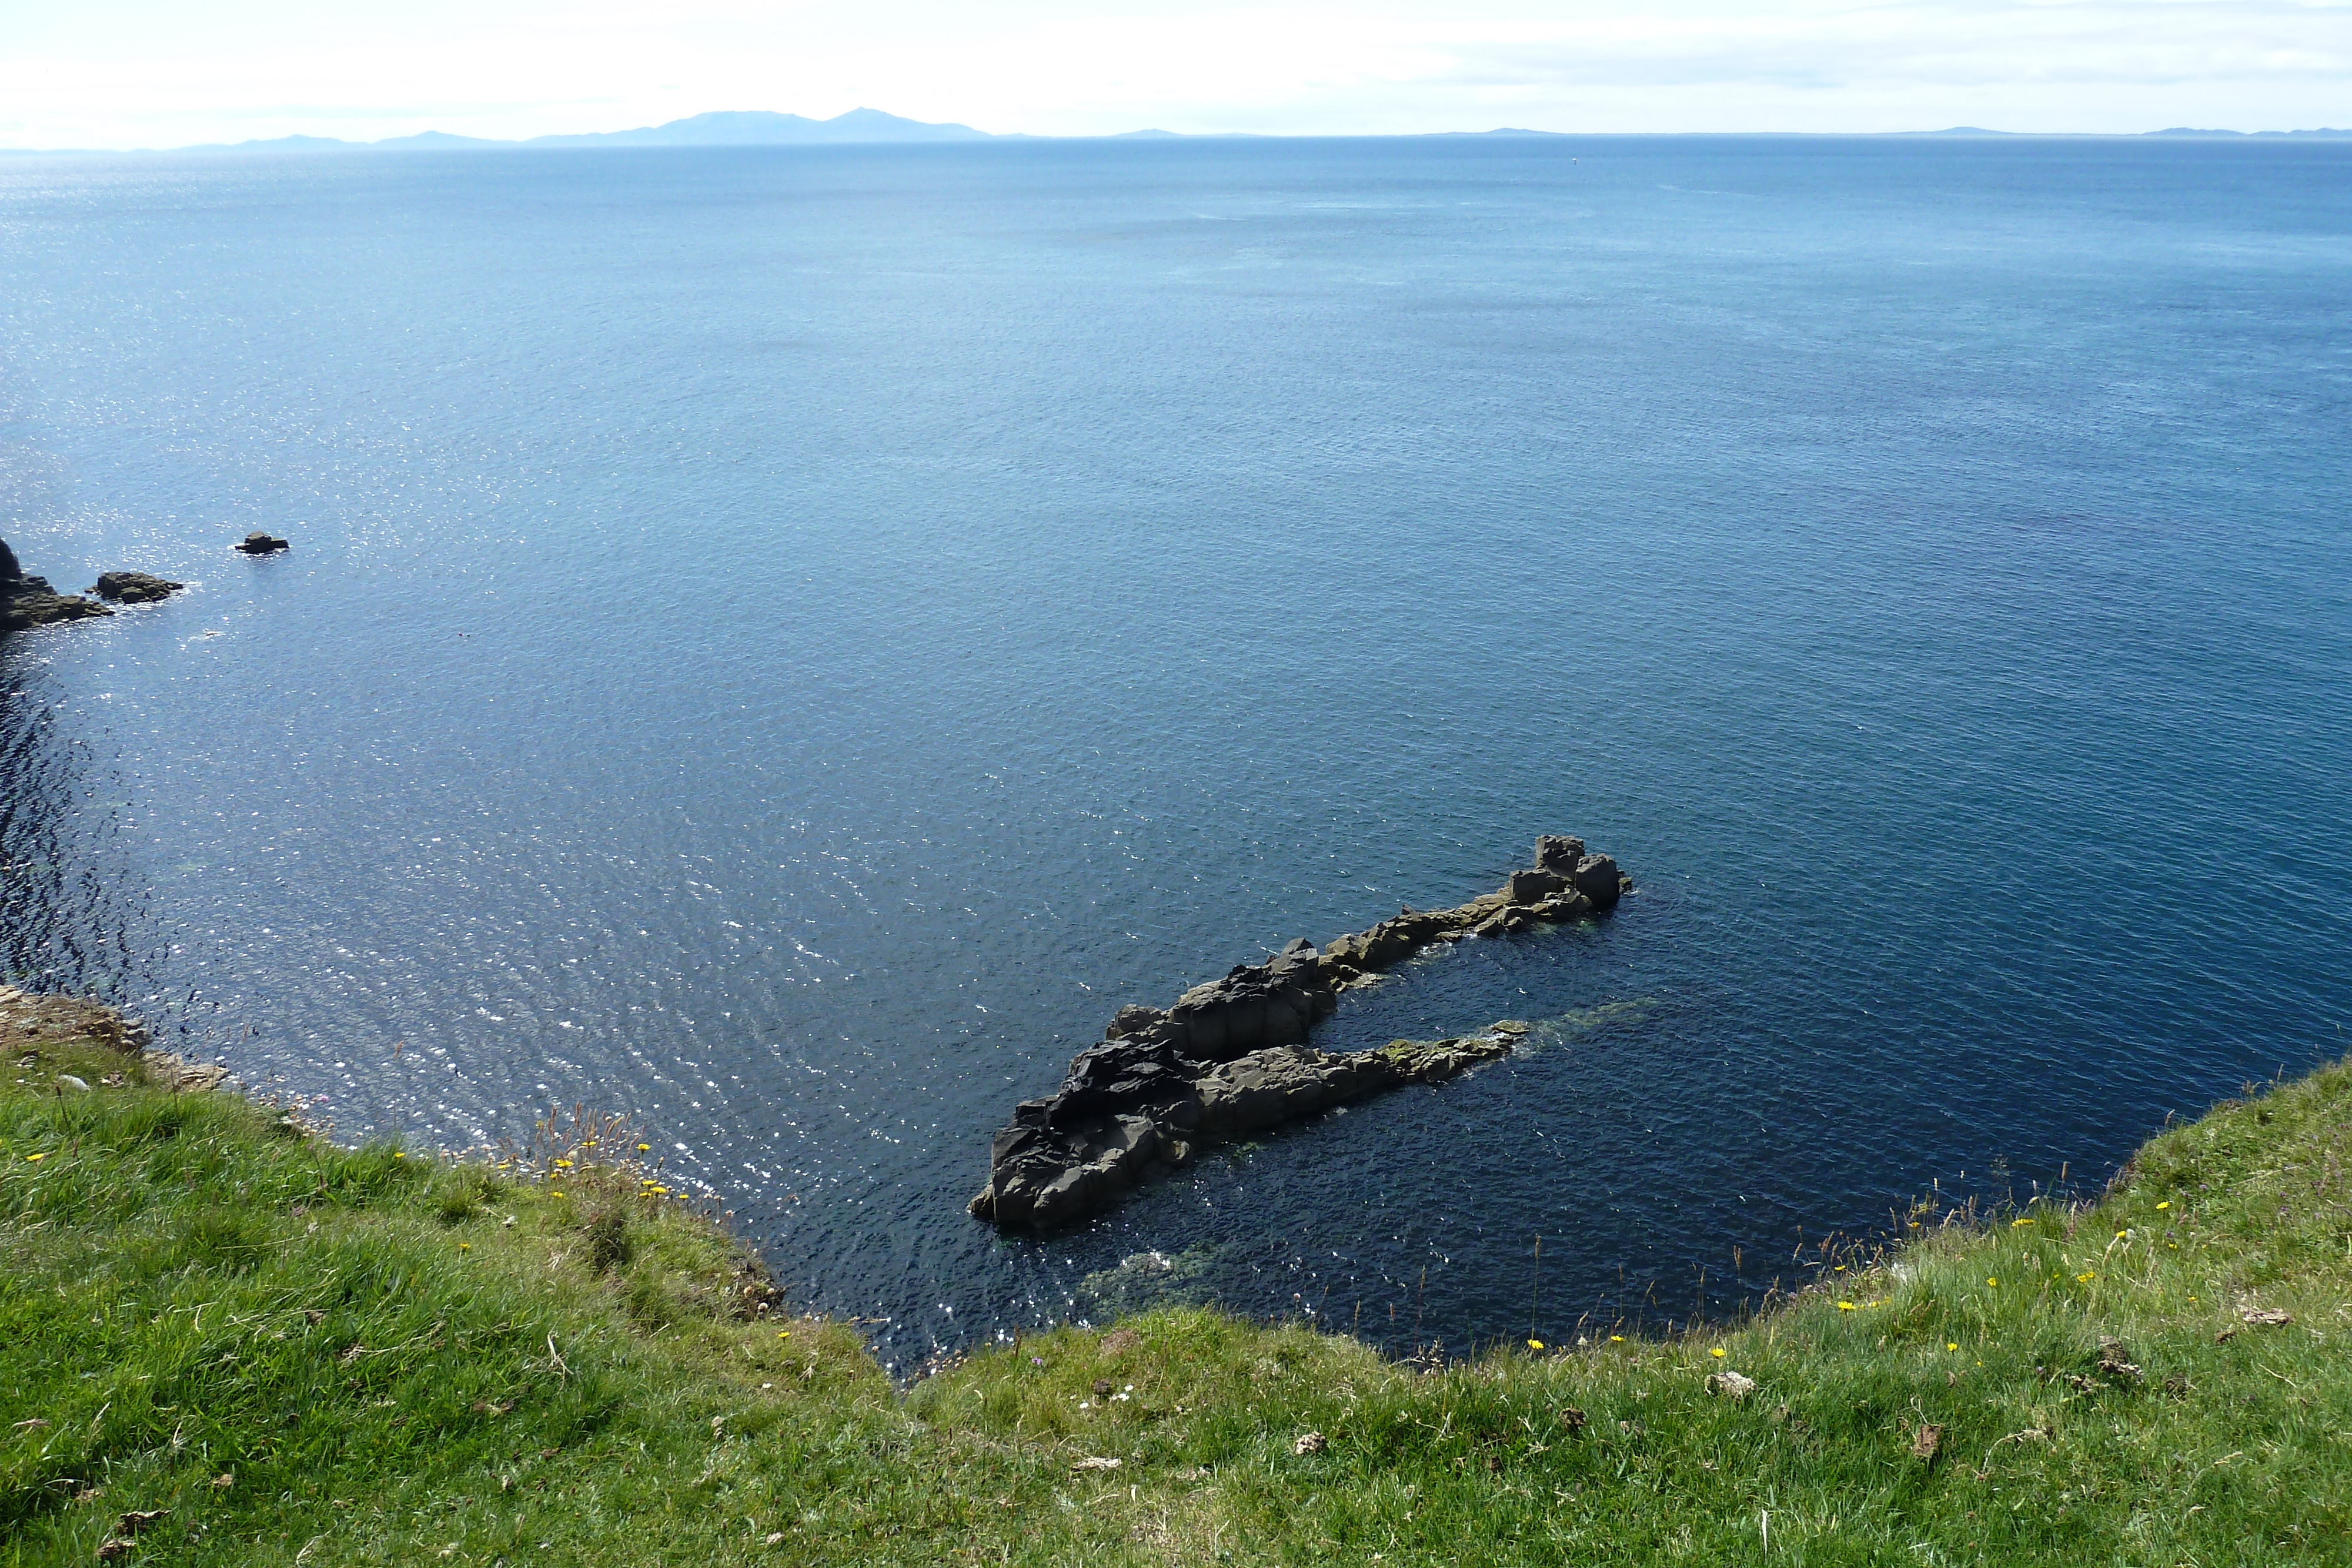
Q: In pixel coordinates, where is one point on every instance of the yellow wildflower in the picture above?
(1535, 1344)
(36, 1158)
(2166, 1204)
(1951, 1344)
(1616, 1339)
(1845, 1306)
(2015, 1223)
(644, 1149)
(2084, 1278)
(1994, 1283)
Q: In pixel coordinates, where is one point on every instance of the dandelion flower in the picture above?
(1535, 1344)
(1994, 1283)
(399, 1154)
(465, 1247)
(555, 1195)
(36, 1159)
(1616, 1339)
(1719, 1352)
(1951, 1344)
(563, 1165)
(2015, 1223)
(2123, 1234)
(784, 1333)
(644, 1149)
(1845, 1306)
(2166, 1204)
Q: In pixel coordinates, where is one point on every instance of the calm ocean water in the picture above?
(784, 643)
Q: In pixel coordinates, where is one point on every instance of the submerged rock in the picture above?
(1229, 1057)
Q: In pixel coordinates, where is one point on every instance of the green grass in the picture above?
(314, 1354)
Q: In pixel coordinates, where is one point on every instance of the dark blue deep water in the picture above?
(784, 643)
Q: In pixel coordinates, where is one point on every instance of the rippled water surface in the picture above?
(784, 643)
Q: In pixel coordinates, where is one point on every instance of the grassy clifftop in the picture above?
(288, 1351)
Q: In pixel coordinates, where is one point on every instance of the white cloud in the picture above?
(139, 72)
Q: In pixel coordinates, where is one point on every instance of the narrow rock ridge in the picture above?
(1230, 1058)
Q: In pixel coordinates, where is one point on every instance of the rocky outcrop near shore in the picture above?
(29, 602)
(33, 1021)
(1229, 1057)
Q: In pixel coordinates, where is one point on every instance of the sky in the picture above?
(161, 73)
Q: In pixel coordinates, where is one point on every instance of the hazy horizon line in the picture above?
(870, 127)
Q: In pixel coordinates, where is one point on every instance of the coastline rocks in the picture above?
(29, 602)
(134, 587)
(29, 1021)
(259, 543)
(1559, 854)
(1289, 1083)
(1040, 1175)
(1598, 879)
(1229, 1057)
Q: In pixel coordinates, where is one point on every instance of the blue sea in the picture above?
(782, 643)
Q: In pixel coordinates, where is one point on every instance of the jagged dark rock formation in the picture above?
(134, 587)
(259, 543)
(1230, 1056)
(29, 602)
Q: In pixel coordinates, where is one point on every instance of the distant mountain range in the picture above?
(721, 128)
(766, 128)
(2323, 133)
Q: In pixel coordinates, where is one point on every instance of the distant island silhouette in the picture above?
(872, 127)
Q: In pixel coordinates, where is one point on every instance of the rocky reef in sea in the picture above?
(27, 601)
(1229, 1057)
